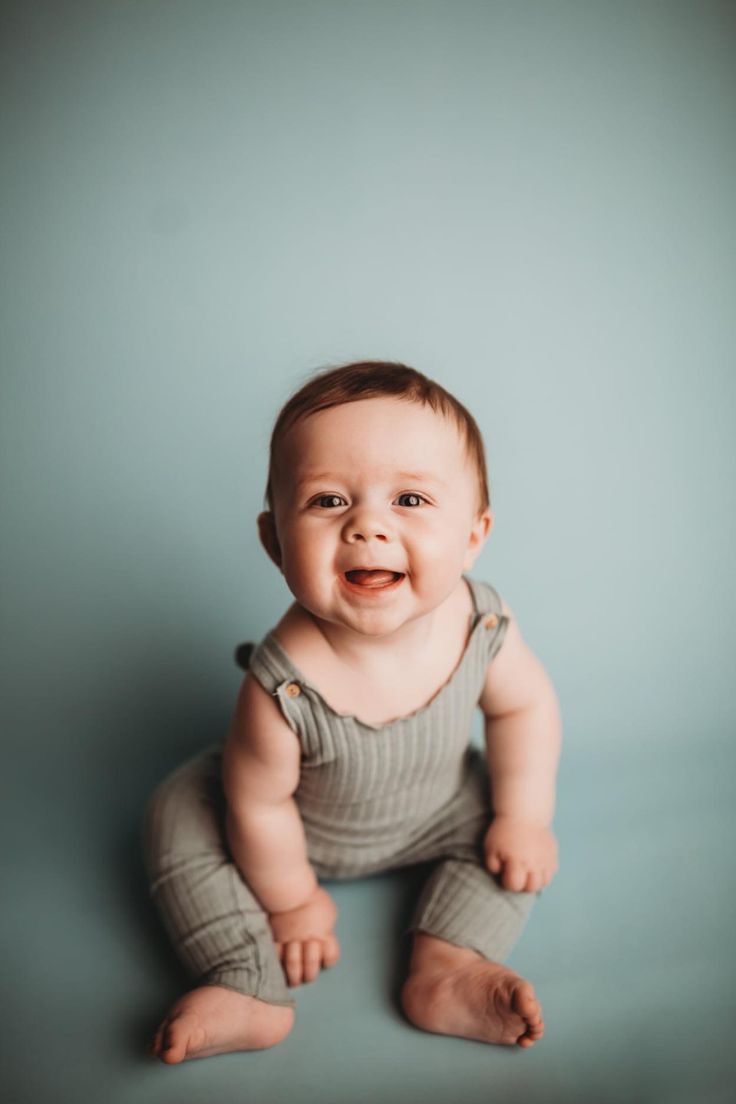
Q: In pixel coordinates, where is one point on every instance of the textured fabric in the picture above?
(217, 926)
(371, 798)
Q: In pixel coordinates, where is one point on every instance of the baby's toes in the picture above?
(525, 1002)
(532, 1035)
(174, 1041)
(154, 1047)
(184, 1032)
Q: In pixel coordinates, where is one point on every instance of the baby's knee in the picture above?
(184, 813)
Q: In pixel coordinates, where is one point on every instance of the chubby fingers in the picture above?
(302, 960)
(494, 862)
(331, 951)
(292, 961)
(312, 959)
(515, 875)
(519, 877)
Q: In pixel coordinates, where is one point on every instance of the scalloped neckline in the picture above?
(303, 681)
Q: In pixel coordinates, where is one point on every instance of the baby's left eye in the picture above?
(417, 500)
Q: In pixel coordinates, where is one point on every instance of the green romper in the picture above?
(371, 798)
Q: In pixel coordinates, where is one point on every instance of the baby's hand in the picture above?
(305, 941)
(524, 854)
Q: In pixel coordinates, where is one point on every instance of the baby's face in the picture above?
(378, 485)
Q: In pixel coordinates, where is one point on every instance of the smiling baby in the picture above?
(350, 751)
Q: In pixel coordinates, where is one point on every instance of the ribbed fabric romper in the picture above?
(371, 798)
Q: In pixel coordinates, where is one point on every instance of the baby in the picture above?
(349, 751)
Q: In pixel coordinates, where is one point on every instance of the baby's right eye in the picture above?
(328, 501)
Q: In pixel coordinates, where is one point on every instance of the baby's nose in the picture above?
(367, 527)
(365, 533)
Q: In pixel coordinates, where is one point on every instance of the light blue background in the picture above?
(531, 202)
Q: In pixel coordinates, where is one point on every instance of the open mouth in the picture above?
(373, 578)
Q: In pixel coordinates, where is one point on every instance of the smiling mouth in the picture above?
(374, 578)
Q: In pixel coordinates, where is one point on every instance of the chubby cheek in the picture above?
(305, 559)
(436, 565)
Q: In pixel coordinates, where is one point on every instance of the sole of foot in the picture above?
(480, 1000)
(214, 1020)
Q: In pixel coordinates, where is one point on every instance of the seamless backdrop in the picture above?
(531, 202)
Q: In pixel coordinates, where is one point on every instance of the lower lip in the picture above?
(372, 592)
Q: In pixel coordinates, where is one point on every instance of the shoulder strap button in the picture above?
(492, 621)
(293, 690)
(243, 653)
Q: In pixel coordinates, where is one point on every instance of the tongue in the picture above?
(371, 578)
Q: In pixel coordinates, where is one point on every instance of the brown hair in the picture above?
(369, 379)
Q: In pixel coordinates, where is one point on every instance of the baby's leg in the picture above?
(216, 924)
(464, 926)
(457, 983)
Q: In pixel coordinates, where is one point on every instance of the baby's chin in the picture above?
(361, 622)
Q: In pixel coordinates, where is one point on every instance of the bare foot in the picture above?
(455, 991)
(214, 1020)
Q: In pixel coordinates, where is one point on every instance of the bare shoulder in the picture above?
(262, 754)
(515, 678)
(298, 635)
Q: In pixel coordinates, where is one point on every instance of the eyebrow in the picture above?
(415, 477)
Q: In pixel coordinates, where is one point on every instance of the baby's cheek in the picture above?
(435, 572)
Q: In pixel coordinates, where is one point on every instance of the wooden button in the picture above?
(293, 690)
(492, 621)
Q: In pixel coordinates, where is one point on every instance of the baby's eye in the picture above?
(416, 500)
(328, 501)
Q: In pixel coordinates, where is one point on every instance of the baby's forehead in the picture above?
(382, 439)
(365, 416)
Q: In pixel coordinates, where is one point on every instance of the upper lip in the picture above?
(373, 567)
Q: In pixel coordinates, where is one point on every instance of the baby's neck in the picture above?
(366, 652)
(378, 679)
(424, 635)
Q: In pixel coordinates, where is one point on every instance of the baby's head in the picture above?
(370, 380)
(373, 465)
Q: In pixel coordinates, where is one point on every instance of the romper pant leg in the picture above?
(461, 901)
(217, 926)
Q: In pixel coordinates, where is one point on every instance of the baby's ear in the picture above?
(269, 539)
(479, 534)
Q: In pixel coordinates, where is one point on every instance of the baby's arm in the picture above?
(261, 763)
(260, 775)
(523, 738)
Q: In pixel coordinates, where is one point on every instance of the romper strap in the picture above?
(495, 621)
(271, 667)
(487, 598)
